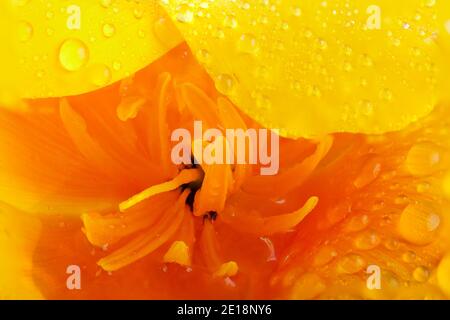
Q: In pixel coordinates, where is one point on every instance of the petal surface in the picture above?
(19, 234)
(314, 67)
(71, 47)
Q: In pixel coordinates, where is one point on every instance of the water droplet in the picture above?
(322, 44)
(369, 172)
(185, 14)
(367, 240)
(138, 13)
(443, 274)
(423, 158)
(296, 11)
(108, 30)
(421, 274)
(117, 65)
(141, 33)
(224, 83)
(447, 26)
(386, 95)
(219, 34)
(430, 3)
(409, 256)
(203, 55)
(446, 184)
(391, 244)
(284, 26)
(19, 3)
(263, 102)
(357, 223)
(307, 286)
(164, 31)
(324, 256)
(418, 224)
(73, 54)
(25, 31)
(366, 107)
(350, 264)
(50, 32)
(348, 50)
(423, 187)
(129, 107)
(100, 75)
(313, 91)
(106, 3)
(247, 44)
(230, 21)
(308, 33)
(366, 60)
(347, 66)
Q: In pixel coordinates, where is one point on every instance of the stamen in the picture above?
(264, 226)
(227, 269)
(178, 253)
(149, 241)
(184, 177)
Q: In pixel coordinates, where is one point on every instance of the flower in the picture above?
(87, 180)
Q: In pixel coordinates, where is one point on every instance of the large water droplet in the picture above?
(73, 54)
(418, 224)
(423, 158)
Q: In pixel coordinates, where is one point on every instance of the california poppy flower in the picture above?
(87, 178)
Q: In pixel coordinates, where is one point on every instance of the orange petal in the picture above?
(149, 241)
(42, 171)
(264, 226)
(293, 177)
(18, 238)
(107, 229)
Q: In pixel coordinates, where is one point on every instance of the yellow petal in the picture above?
(314, 67)
(19, 234)
(443, 18)
(8, 64)
(71, 47)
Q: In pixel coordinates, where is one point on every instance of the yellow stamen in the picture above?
(185, 176)
(151, 240)
(178, 253)
(227, 269)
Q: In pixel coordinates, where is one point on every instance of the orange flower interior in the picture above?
(151, 229)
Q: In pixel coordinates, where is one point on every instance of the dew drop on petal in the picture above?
(108, 30)
(25, 31)
(418, 224)
(423, 158)
(350, 264)
(73, 54)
